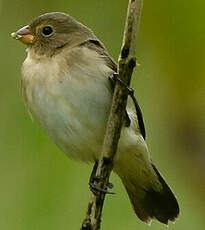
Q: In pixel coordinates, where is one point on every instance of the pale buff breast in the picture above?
(69, 100)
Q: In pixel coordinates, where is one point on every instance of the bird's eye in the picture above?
(47, 30)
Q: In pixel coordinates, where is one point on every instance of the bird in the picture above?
(67, 86)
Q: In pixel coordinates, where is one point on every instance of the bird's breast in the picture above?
(72, 106)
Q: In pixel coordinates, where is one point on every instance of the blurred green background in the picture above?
(40, 187)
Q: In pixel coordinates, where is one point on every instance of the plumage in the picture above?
(66, 87)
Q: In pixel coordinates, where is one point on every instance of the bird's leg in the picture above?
(93, 178)
(115, 77)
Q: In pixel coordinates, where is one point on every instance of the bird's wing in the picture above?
(132, 102)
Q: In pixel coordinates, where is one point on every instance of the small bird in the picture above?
(67, 86)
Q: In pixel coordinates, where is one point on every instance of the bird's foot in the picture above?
(115, 77)
(93, 187)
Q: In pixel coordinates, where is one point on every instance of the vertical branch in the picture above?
(126, 64)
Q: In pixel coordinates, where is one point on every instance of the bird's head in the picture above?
(52, 31)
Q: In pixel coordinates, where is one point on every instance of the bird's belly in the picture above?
(75, 118)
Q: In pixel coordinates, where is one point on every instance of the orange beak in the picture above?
(24, 35)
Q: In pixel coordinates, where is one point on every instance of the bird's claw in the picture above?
(110, 185)
(95, 189)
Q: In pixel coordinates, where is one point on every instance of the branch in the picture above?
(126, 63)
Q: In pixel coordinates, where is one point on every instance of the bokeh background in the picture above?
(40, 188)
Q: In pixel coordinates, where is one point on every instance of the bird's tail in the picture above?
(149, 194)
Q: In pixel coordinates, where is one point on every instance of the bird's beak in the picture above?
(24, 35)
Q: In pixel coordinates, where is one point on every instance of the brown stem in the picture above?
(126, 63)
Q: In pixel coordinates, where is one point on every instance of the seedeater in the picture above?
(67, 87)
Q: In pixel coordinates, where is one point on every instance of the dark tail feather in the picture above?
(161, 205)
(149, 203)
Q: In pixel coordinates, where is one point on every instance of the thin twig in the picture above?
(126, 63)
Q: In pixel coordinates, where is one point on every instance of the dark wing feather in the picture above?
(99, 48)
